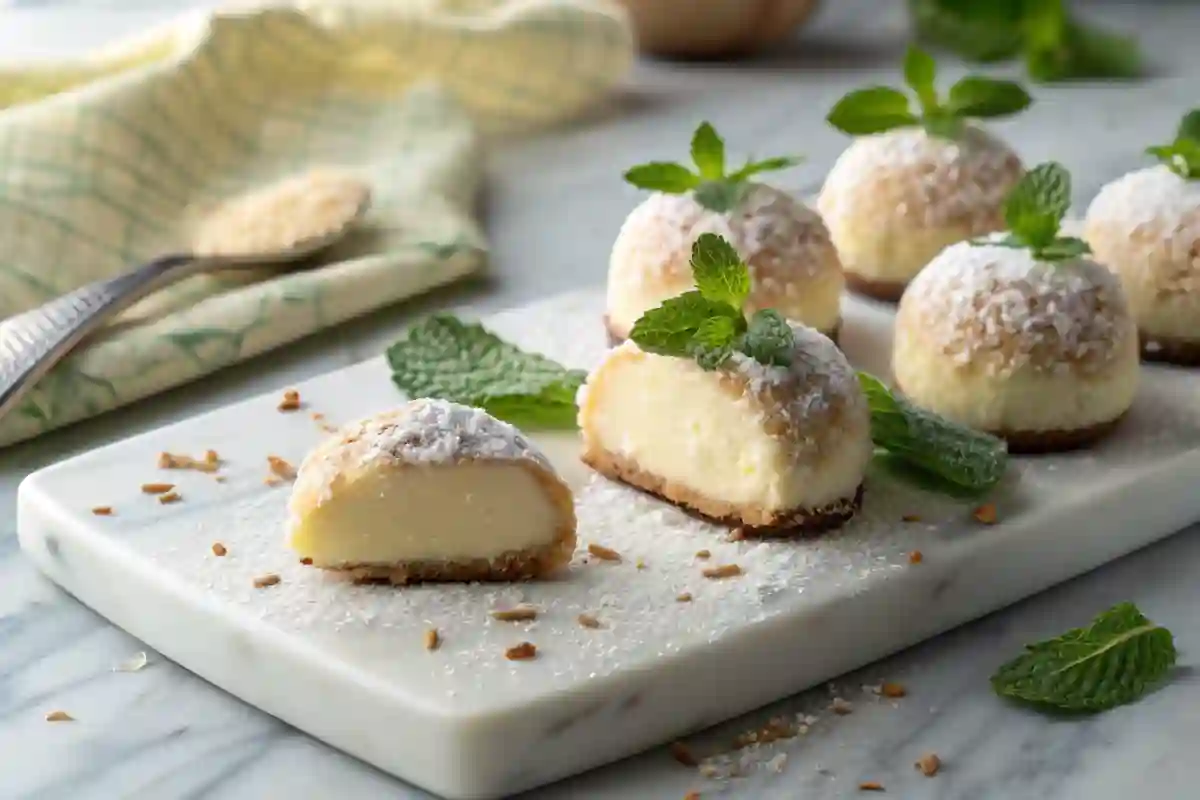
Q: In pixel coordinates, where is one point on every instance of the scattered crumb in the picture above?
(589, 621)
(709, 770)
(273, 480)
(722, 571)
(133, 664)
(683, 597)
(841, 707)
(317, 416)
(157, 488)
(603, 553)
(911, 518)
(281, 468)
(683, 754)
(703, 554)
(518, 613)
(211, 457)
(103, 511)
(929, 764)
(521, 652)
(263, 581)
(892, 690)
(290, 401)
(210, 463)
(916, 557)
(59, 716)
(170, 497)
(306, 561)
(737, 534)
(641, 564)
(433, 639)
(776, 728)
(692, 796)
(986, 514)
(219, 549)
(871, 786)
(220, 478)
(778, 763)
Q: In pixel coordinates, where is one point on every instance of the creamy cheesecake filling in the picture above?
(440, 512)
(678, 423)
(892, 253)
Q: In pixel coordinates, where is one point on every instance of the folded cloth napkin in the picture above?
(103, 162)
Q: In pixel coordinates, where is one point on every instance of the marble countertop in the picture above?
(552, 208)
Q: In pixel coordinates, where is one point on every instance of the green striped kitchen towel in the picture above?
(101, 159)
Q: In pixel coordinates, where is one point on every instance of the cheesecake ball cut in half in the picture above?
(432, 491)
(1145, 227)
(1041, 353)
(894, 200)
(774, 450)
(794, 267)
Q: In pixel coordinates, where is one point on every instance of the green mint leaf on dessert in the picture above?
(977, 31)
(718, 271)
(720, 196)
(1063, 248)
(663, 176)
(1113, 661)
(1037, 204)
(872, 110)
(964, 458)
(752, 168)
(1189, 126)
(1183, 155)
(920, 72)
(769, 339)
(714, 341)
(708, 152)
(984, 98)
(671, 329)
(445, 358)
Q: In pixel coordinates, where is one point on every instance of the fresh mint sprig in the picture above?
(1182, 156)
(713, 186)
(1115, 660)
(880, 108)
(1033, 214)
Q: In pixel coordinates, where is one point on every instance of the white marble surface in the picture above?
(552, 209)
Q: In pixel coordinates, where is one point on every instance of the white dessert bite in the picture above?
(1145, 227)
(1021, 334)
(432, 491)
(793, 264)
(913, 183)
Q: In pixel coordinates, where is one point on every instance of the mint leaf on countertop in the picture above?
(449, 359)
(1034, 211)
(1115, 660)
(1182, 156)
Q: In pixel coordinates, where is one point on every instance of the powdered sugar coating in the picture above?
(908, 177)
(1003, 309)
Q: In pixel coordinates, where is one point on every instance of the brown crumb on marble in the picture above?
(290, 401)
(263, 581)
(211, 457)
(220, 478)
(273, 480)
(170, 497)
(892, 690)
(683, 597)
(317, 416)
(433, 639)
(210, 463)
(603, 553)
(521, 652)
(281, 468)
(776, 728)
(157, 488)
(928, 764)
(640, 564)
(737, 534)
(219, 549)
(683, 754)
(59, 716)
(518, 613)
(911, 518)
(916, 557)
(871, 786)
(306, 561)
(722, 571)
(589, 621)
(985, 514)
(841, 707)
(692, 796)
(703, 555)
(103, 511)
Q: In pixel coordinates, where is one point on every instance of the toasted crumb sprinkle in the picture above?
(170, 497)
(641, 564)
(433, 639)
(703, 554)
(518, 613)
(157, 488)
(306, 561)
(683, 754)
(263, 581)
(211, 457)
(589, 621)
(929, 764)
(317, 416)
(220, 478)
(841, 707)
(281, 468)
(776, 728)
(219, 549)
(603, 553)
(290, 401)
(892, 690)
(916, 557)
(521, 652)
(911, 518)
(986, 514)
(722, 571)
(273, 480)
(737, 534)
(683, 597)
(210, 463)
(59, 716)
(103, 511)
(871, 786)
(692, 796)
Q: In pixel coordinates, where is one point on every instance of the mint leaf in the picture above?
(714, 341)
(445, 358)
(752, 167)
(977, 31)
(873, 110)
(1189, 126)
(663, 176)
(920, 72)
(1037, 204)
(671, 328)
(981, 98)
(769, 339)
(720, 196)
(1059, 48)
(1113, 661)
(1183, 155)
(1063, 248)
(718, 271)
(708, 152)
(965, 458)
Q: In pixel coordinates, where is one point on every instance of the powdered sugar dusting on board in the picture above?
(1003, 309)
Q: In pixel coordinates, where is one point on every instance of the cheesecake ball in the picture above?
(794, 266)
(895, 200)
(772, 450)
(1041, 353)
(1145, 227)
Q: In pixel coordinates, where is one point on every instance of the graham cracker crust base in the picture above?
(1060, 441)
(1170, 350)
(615, 339)
(749, 522)
(887, 291)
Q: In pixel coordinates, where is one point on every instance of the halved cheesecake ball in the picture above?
(894, 200)
(432, 491)
(794, 267)
(1043, 354)
(773, 450)
(1145, 227)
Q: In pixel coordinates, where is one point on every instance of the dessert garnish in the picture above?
(1182, 156)
(1034, 212)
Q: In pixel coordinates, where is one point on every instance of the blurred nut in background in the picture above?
(714, 28)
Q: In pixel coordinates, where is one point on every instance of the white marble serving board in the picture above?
(346, 664)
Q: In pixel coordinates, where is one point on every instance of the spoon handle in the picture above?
(31, 343)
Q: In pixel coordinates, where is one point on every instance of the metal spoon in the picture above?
(282, 223)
